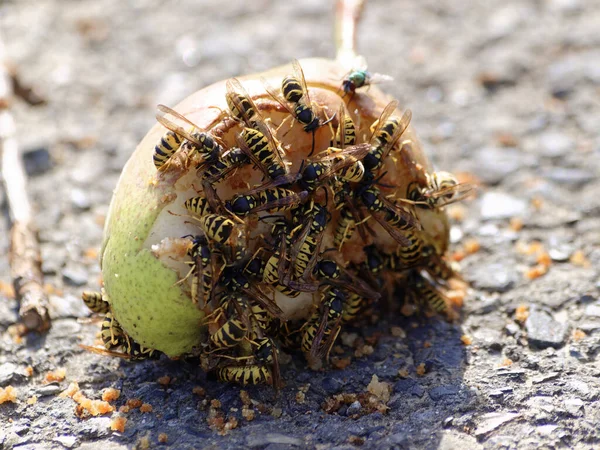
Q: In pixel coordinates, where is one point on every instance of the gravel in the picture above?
(505, 91)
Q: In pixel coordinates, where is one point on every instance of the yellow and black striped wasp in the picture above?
(332, 273)
(256, 140)
(394, 218)
(386, 132)
(95, 301)
(295, 99)
(323, 324)
(272, 200)
(265, 356)
(114, 338)
(199, 140)
(431, 190)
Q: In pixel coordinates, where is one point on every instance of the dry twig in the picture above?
(25, 259)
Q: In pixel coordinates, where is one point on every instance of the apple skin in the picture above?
(141, 289)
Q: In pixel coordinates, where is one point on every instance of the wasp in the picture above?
(386, 132)
(442, 189)
(95, 302)
(375, 261)
(200, 141)
(233, 278)
(352, 306)
(230, 334)
(265, 355)
(225, 165)
(256, 139)
(431, 190)
(202, 264)
(427, 293)
(248, 374)
(217, 228)
(269, 199)
(349, 218)
(395, 220)
(167, 146)
(307, 242)
(343, 163)
(296, 100)
(198, 205)
(333, 274)
(411, 253)
(113, 337)
(277, 266)
(324, 324)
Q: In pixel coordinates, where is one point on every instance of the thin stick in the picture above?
(347, 15)
(25, 258)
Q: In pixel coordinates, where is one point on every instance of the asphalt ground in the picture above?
(505, 91)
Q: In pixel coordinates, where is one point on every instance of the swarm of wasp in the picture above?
(268, 212)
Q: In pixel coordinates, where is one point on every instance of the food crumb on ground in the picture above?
(522, 313)
(134, 403)
(71, 390)
(421, 369)
(143, 443)
(199, 391)
(471, 246)
(536, 271)
(398, 332)
(466, 340)
(544, 259)
(248, 414)
(516, 224)
(578, 334)
(124, 409)
(506, 362)
(163, 438)
(379, 389)
(28, 371)
(340, 363)
(537, 203)
(32, 400)
(578, 259)
(356, 440)
(57, 375)
(8, 394)
(118, 424)
(245, 398)
(111, 394)
(403, 373)
(165, 380)
(146, 408)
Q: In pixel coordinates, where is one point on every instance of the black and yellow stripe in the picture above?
(95, 302)
(260, 147)
(250, 374)
(169, 143)
(230, 334)
(216, 227)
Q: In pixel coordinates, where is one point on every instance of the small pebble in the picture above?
(354, 408)
(495, 277)
(493, 420)
(80, 200)
(75, 276)
(543, 330)
(555, 144)
(569, 176)
(37, 161)
(498, 205)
